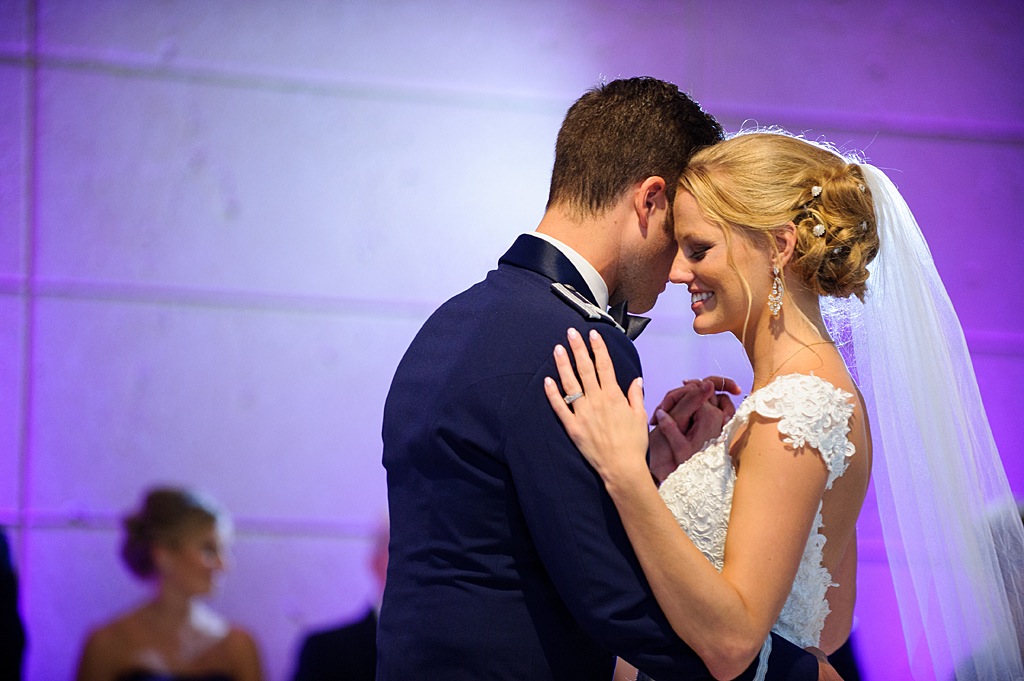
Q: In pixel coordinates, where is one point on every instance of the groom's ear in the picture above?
(648, 199)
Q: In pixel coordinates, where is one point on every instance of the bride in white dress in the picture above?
(769, 226)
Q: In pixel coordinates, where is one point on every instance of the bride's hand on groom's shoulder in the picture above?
(687, 418)
(608, 427)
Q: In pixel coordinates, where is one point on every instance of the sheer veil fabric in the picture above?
(952, 530)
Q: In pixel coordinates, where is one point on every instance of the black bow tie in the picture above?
(633, 324)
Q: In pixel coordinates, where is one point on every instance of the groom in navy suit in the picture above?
(508, 560)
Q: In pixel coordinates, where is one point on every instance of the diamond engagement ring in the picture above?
(569, 399)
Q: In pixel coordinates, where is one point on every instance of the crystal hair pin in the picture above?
(818, 230)
(815, 191)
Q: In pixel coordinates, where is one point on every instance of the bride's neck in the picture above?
(777, 341)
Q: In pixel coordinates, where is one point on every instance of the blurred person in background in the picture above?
(348, 652)
(176, 540)
(12, 631)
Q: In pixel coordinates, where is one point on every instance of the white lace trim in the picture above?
(810, 412)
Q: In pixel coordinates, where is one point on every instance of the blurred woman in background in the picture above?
(177, 541)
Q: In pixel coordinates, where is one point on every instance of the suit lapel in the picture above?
(537, 255)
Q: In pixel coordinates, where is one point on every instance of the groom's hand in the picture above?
(686, 419)
(708, 421)
(826, 672)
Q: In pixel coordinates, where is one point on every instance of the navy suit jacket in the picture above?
(508, 560)
(345, 653)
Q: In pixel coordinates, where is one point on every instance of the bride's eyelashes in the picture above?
(697, 252)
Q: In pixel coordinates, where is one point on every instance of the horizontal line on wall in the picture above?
(901, 125)
(147, 294)
(308, 84)
(244, 526)
(995, 343)
(980, 342)
(869, 549)
(10, 285)
(928, 127)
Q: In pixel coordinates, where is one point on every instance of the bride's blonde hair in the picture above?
(759, 181)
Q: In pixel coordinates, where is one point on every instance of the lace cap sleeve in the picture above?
(810, 411)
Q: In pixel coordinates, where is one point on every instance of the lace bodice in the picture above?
(809, 411)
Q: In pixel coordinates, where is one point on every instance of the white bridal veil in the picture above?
(952, 529)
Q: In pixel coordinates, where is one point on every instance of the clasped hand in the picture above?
(611, 428)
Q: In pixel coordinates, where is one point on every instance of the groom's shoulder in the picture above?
(518, 303)
(506, 291)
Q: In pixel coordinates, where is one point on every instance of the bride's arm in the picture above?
(724, 617)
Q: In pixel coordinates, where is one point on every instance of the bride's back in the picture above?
(841, 504)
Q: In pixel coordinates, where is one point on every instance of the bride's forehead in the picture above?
(695, 227)
(688, 215)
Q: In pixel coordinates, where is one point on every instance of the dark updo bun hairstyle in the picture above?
(167, 513)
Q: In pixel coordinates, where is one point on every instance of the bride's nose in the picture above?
(680, 272)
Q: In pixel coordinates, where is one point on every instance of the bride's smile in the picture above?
(721, 273)
(698, 297)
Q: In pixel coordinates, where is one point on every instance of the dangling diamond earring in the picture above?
(775, 297)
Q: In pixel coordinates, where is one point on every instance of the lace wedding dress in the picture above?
(809, 411)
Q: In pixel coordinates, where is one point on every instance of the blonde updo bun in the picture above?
(757, 182)
(166, 514)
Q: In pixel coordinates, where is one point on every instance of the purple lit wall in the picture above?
(221, 223)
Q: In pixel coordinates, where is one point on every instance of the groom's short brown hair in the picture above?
(619, 134)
